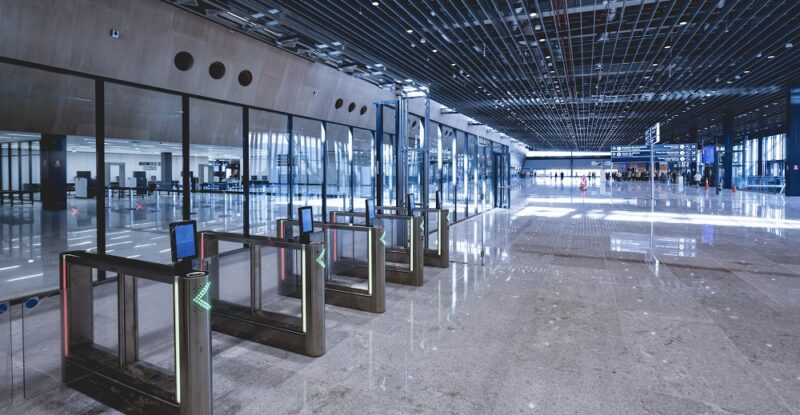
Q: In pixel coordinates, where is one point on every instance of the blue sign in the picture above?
(665, 153)
(708, 154)
(3, 308)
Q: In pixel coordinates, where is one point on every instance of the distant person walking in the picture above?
(562, 176)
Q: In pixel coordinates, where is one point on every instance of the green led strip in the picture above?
(321, 258)
(201, 299)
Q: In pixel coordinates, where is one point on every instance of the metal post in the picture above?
(379, 153)
(290, 166)
(185, 165)
(255, 277)
(425, 155)
(19, 172)
(245, 170)
(193, 344)
(30, 170)
(127, 320)
(313, 300)
(652, 171)
(100, 160)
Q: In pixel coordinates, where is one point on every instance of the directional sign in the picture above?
(653, 134)
(676, 153)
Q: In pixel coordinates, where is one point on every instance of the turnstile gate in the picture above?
(355, 273)
(404, 248)
(120, 379)
(436, 233)
(298, 328)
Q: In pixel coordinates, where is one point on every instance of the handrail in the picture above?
(120, 265)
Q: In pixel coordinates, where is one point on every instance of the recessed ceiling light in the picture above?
(375, 3)
(452, 64)
(655, 64)
(770, 56)
(667, 47)
(746, 71)
(547, 57)
(409, 31)
(542, 40)
(532, 14)
(435, 50)
(682, 23)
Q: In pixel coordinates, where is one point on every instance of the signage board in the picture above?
(667, 153)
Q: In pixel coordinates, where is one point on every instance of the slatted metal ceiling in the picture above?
(564, 74)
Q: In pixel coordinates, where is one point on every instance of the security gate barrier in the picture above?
(436, 235)
(246, 311)
(355, 273)
(123, 380)
(404, 246)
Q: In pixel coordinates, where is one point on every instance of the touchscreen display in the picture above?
(370, 209)
(306, 220)
(184, 240)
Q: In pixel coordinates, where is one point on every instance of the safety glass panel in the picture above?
(431, 230)
(156, 325)
(398, 239)
(281, 275)
(6, 373)
(41, 360)
(348, 258)
(234, 276)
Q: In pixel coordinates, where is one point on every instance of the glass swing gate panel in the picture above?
(6, 374)
(275, 290)
(348, 261)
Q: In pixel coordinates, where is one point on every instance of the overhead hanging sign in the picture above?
(666, 153)
(653, 135)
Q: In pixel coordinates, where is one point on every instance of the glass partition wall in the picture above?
(166, 156)
(268, 170)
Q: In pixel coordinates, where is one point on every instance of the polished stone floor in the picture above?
(597, 302)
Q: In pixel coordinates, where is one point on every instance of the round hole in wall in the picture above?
(363, 109)
(351, 107)
(184, 61)
(339, 103)
(245, 78)
(216, 70)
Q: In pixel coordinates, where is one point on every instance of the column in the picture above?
(727, 139)
(793, 142)
(53, 171)
(166, 168)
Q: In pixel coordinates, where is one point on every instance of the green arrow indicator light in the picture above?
(382, 239)
(321, 258)
(201, 299)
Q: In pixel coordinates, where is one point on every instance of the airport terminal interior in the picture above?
(398, 206)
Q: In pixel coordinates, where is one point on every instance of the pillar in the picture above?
(727, 138)
(166, 168)
(793, 142)
(53, 171)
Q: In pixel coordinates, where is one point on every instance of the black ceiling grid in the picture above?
(555, 74)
